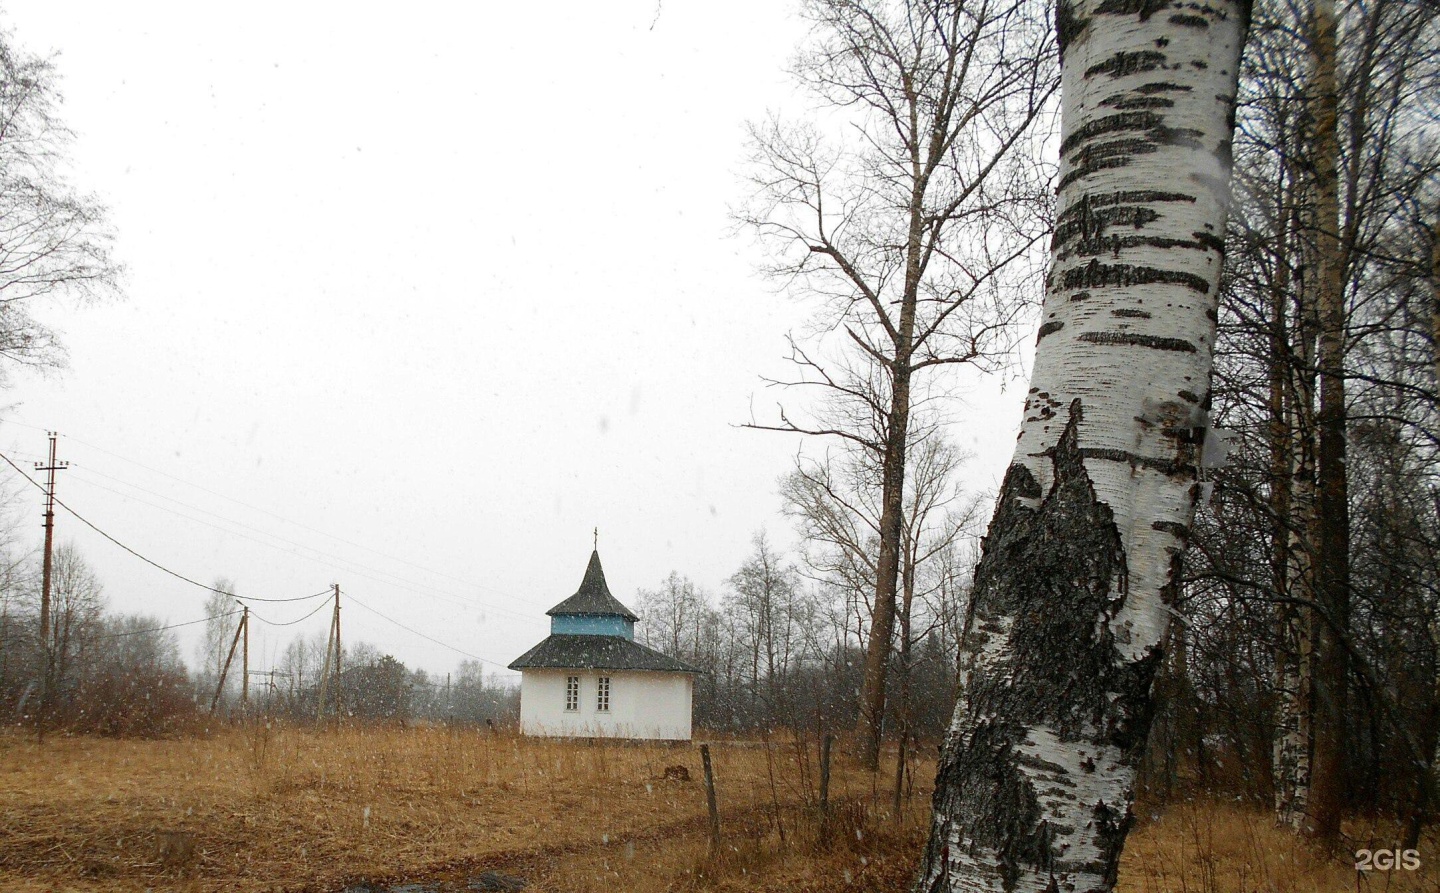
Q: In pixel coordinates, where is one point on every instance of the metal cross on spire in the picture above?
(597, 539)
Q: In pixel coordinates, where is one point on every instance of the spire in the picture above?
(593, 596)
(594, 583)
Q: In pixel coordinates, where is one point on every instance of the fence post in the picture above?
(710, 800)
(825, 773)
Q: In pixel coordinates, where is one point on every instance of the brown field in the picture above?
(289, 809)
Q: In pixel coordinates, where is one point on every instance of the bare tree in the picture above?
(907, 210)
(1072, 595)
(220, 625)
(1326, 301)
(768, 609)
(672, 618)
(77, 602)
(56, 240)
(18, 644)
(835, 501)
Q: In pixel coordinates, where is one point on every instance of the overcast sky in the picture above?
(415, 301)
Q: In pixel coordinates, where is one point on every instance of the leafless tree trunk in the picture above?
(910, 227)
(1327, 798)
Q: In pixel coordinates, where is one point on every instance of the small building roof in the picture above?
(580, 652)
(594, 596)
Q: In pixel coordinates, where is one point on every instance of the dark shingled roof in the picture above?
(593, 596)
(578, 652)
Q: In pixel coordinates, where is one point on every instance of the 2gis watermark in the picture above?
(1394, 859)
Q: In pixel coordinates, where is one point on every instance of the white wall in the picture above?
(642, 705)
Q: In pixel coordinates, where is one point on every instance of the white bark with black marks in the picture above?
(1072, 595)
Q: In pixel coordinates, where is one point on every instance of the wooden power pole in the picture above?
(47, 652)
(245, 662)
(242, 630)
(331, 668)
(339, 689)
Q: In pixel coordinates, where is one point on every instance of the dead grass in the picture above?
(1209, 847)
(275, 808)
(271, 807)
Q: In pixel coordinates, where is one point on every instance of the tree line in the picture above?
(124, 674)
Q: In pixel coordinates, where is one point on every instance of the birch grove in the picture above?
(1073, 592)
(1347, 261)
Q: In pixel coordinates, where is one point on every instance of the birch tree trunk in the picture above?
(1296, 719)
(1288, 448)
(1072, 594)
(1328, 779)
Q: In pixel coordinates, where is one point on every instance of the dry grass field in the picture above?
(288, 809)
(259, 809)
(1221, 848)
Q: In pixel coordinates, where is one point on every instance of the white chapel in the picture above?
(591, 679)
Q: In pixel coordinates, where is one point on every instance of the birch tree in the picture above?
(672, 617)
(77, 604)
(906, 210)
(1072, 594)
(1335, 158)
(220, 625)
(835, 503)
(57, 240)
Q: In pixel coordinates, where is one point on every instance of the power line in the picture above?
(200, 585)
(415, 587)
(417, 632)
(279, 517)
(317, 610)
(81, 518)
(157, 629)
(300, 598)
(130, 496)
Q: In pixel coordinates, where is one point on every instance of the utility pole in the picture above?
(220, 686)
(47, 652)
(339, 689)
(245, 662)
(331, 668)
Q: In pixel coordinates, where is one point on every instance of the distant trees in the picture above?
(377, 689)
(120, 674)
(19, 645)
(114, 674)
(674, 617)
(129, 680)
(1329, 284)
(57, 240)
(474, 696)
(76, 604)
(835, 503)
(773, 619)
(221, 621)
(779, 651)
(375, 686)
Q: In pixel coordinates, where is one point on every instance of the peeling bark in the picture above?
(1073, 591)
(1045, 734)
